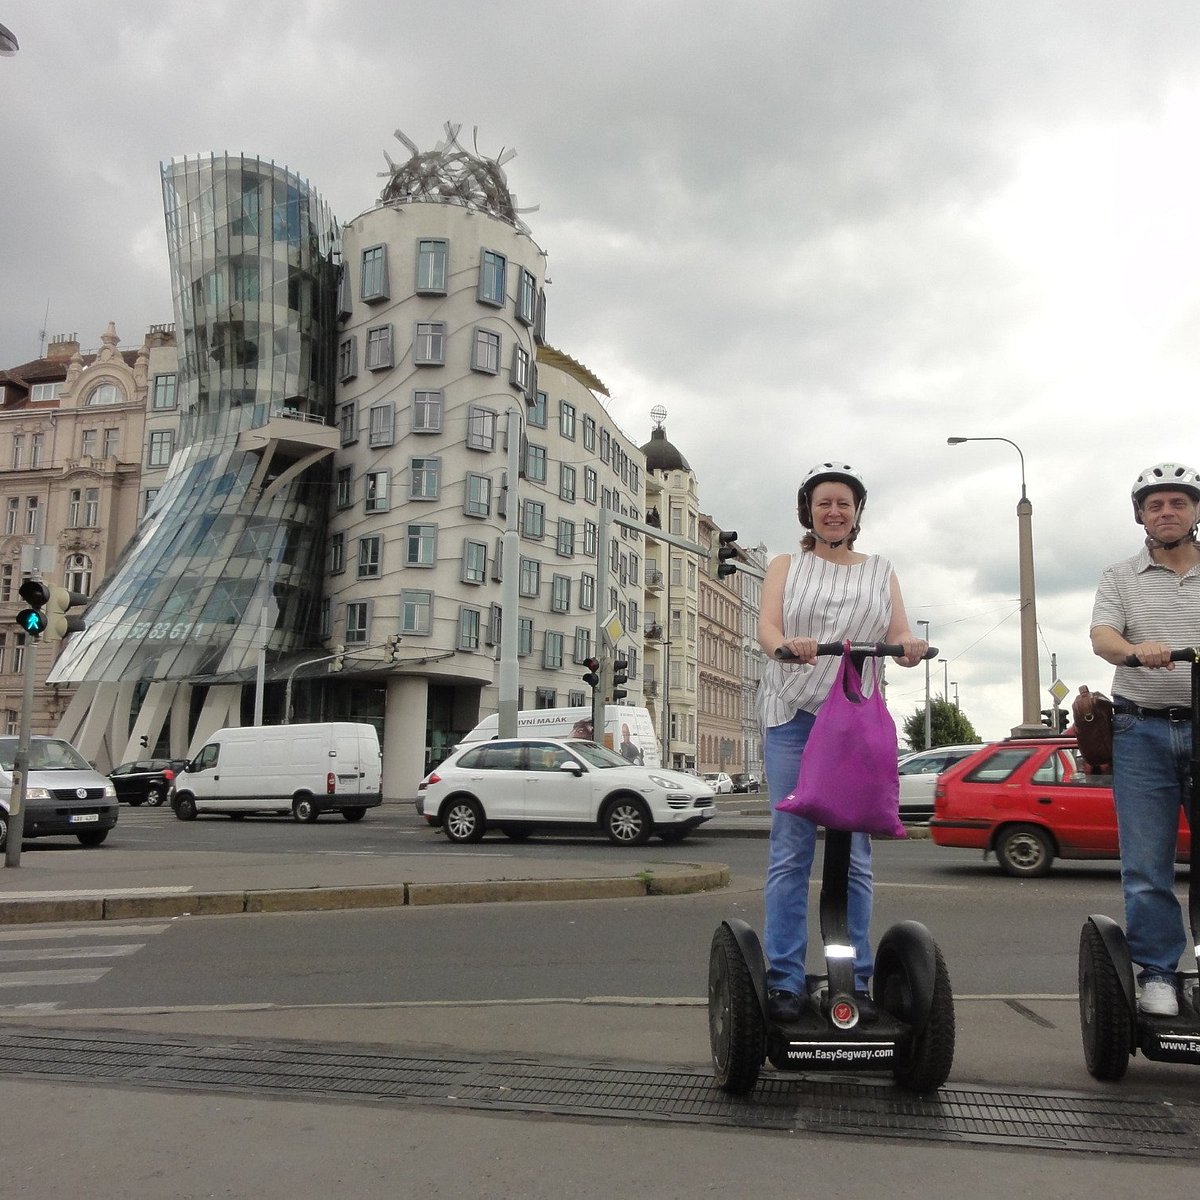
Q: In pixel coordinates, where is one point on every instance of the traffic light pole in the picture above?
(20, 774)
(510, 593)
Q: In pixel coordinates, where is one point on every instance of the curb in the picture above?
(700, 878)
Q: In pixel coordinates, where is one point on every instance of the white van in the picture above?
(304, 770)
(627, 729)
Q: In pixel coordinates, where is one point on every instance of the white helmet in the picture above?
(826, 472)
(1165, 477)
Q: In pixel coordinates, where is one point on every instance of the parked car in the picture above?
(719, 782)
(743, 781)
(1029, 801)
(64, 793)
(521, 784)
(919, 773)
(147, 781)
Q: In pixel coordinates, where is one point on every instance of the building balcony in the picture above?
(654, 631)
(654, 581)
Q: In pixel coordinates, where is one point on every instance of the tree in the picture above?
(948, 727)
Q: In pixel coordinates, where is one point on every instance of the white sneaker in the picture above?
(1158, 999)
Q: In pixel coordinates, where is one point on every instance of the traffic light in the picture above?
(592, 678)
(719, 565)
(620, 676)
(393, 647)
(339, 658)
(36, 594)
(58, 624)
(1055, 718)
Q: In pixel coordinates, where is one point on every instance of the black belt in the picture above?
(1176, 712)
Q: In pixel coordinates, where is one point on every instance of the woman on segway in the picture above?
(826, 593)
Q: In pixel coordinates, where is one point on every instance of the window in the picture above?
(162, 445)
(583, 644)
(998, 767)
(13, 515)
(164, 392)
(589, 484)
(470, 622)
(493, 271)
(345, 487)
(78, 574)
(478, 502)
(533, 519)
(605, 446)
(18, 657)
(430, 347)
(37, 446)
(376, 491)
(552, 655)
(324, 619)
(31, 514)
(530, 583)
(537, 410)
(535, 463)
(382, 425)
(485, 354)
(112, 442)
(427, 412)
(18, 451)
(336, 557)
(374, 273)
(416, 611)
(347, 358)
(424, 478)
(560, 594)
(343, 295)
(6, 583)
(83, 507)
(481, 428)
(379, 348)
(566, 420)
(589, 433)
(245, 279)
(148, 498)
(519, 375)
(474, 568)
(348, 423)
(566, 483)
(431, 267)
(591, 535)
(566, 539)
(526, 297)
(420, 545)
(493, 626)
(41, 392)
(104, 393)
(356, 623)
(587, 593)
(524, 636)
(87, 444)
(370, 557)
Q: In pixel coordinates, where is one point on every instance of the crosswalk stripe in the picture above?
(32, 955)
(51, 978)
(92, 929)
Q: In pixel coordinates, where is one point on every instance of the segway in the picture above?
(1112, 1027)
(912, 1037)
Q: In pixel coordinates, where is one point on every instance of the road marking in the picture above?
(31, 955)
(85, 893)
(51, 978)
(100, 929)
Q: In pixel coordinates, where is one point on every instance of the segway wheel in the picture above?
(1104, 1018)
(930, 1055)
(736, 1028)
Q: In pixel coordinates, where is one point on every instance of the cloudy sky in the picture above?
(808, 229)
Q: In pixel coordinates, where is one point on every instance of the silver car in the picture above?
(521, 784)
(919, 773)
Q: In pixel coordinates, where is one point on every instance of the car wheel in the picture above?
(3, 831)
(154, 797)
(304, 808)
(1025, 851)
(463, 819)
(354, 814)
(185, 807)
(627, 822)
(92, 837)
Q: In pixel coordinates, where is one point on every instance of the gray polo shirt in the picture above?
(1146, 602)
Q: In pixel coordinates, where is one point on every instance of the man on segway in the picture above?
(1145, 606)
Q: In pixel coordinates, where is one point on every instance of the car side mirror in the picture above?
(572, 768)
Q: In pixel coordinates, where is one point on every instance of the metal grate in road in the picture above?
(368, 1074)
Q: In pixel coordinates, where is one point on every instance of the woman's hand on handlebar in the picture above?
(796, 651)
(915, 649)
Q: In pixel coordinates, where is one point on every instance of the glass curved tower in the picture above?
(231, 553)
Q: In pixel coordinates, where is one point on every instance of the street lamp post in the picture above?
(928, 709)
(1031, 725)
(954, 685)
(945, 678)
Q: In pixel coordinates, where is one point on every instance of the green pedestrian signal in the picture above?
(37, 595)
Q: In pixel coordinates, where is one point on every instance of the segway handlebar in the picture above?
(1187, 654)
(868, 649)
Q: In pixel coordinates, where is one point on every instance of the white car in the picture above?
(720, 783)
(521, 784)
(919, 773)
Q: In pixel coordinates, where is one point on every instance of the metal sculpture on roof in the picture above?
(451, 174)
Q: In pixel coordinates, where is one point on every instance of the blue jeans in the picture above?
(1150, 783)
(789, 866)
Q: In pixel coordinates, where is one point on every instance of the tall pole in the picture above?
(20, 771)
(260, 674)
(928, 708)
(510, 596)
(954, 685)
(945, 679)
(1031, 725)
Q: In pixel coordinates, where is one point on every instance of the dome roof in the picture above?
(661, 455)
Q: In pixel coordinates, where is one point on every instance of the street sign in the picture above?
(1059, 691)
(613, 629)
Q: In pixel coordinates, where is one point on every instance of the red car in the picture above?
(1029, 801)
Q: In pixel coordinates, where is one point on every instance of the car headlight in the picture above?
(110, 792)
(36, 793)
(664, 782)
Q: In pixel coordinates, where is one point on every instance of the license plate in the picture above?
(83, 818)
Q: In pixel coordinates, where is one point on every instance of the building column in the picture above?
(405, 721)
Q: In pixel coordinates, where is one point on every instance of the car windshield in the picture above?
(596, 756)
(45, 754)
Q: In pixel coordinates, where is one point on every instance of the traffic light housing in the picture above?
(592, 678)
(719, 565)
(33, 620)
(393, 647)
(58, 624)
(339, 658)
(620, 676)
(1049, 716)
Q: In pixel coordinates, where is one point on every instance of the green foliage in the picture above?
(948, 726)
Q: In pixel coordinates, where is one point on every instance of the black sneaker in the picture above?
(868, 1013)
(784, 1006)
